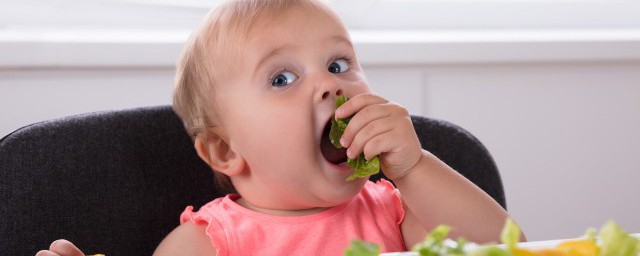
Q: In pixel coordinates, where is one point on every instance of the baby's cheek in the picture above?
(269, 141)
(358, 82)
(357, 88)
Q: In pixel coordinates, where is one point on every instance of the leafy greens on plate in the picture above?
(612, 241)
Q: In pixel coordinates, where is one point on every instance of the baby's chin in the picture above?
(344, 193)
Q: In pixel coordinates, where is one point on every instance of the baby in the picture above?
(256, 87)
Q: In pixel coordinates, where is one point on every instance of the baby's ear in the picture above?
(215, 151)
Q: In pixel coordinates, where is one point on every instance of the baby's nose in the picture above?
(326, 94)
(329, 88)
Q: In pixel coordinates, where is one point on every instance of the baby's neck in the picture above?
(277, 212)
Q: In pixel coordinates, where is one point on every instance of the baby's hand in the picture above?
(61, 248)
(382, 128)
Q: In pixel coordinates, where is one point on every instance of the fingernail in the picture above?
(338, 112)
(349, 153)
(343, 142)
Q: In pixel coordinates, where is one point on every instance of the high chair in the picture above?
(115, 182)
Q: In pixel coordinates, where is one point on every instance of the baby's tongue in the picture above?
(330, 152)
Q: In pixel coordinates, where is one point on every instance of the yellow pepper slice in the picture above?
(579, 248)
(550, 252)
(522, 252)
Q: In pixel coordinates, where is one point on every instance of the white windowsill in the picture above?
(66, 48)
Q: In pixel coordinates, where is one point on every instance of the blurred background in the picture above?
(552, 88)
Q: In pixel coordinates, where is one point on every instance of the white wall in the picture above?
(565, 137)
(563, 130)
(32, 95)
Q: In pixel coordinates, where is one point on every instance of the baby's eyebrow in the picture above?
(341, 39)
(333, 39)
(272, 53)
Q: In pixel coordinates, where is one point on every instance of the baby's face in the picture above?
(277, 105)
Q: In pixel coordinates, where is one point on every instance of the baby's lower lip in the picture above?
(341, 166)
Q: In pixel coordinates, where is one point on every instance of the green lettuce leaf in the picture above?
(362, 248)
(458, 249)
(337, 129)
(361, 167)
(338, 124)
(510, 235)
(590, 235)
(490, 250)
(616, 242)
(434, 243)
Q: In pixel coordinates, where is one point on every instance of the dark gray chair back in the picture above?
(116, 182)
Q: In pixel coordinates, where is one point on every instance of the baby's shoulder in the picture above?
(190, 238)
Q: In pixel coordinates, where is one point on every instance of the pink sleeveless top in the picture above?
(374, 215)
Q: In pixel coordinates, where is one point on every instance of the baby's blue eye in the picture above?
(339, 66)
(283, 79)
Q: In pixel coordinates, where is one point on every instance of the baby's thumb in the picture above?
(65, 248)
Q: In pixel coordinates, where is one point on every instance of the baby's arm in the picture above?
(431, 191)
(436, 194)
(188, 239)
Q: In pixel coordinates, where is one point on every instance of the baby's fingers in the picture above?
(365, 136)
(362, 120)
(47, 253)
(357, 103)
(65, 248)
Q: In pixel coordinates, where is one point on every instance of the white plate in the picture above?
(527, 245)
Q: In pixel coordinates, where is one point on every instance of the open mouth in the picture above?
(331, 153)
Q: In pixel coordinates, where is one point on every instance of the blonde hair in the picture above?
(210, 53)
